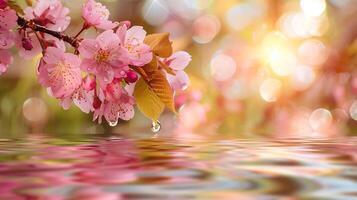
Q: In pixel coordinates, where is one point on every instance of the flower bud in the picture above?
(3, 4)
(89, 83)
(126, 23)
(26, 43)
(96, 103)
(131, 77)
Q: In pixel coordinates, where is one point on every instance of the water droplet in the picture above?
(113, 123)
(155, 126)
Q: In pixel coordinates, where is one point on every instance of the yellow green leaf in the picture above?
(13, 5)
(29, 2)
(160, 44)
(147, 101)
(152, 66)
(159, 84)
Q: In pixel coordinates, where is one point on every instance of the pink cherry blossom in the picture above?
(36, 46)
(60, 72)
(178, 82)
(28, 53)
(7, 39)
(83, 97)
(103, 56)
(97, 15)
(108, 62)
(5, 60)
(178, 62)
(133, 41)
(114, 111)
(49, 13)
(116, 103)
(113, 90)
(8, 19)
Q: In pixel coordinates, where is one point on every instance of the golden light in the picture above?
(313, 7)
(278, 54)
(299, 25)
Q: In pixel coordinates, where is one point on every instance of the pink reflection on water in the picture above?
(93, 193)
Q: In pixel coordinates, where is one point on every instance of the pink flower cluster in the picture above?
(99, 76)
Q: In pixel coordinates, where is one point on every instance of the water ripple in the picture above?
(163, 168)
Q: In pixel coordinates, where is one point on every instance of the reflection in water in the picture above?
(160, 168)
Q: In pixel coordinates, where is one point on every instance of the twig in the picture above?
(84, 27)
(30, 24)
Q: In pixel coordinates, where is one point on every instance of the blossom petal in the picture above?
(64, 76)
(107, 25)
(126, 111)
(28, 54)
(88, 48)
(121, 32)
(53, 55)
(105, 74)
(108, 40)
(5, 60)
(84, 99)
(140, 55)
(178, 82)
(89, 65)
(66, 103)
(179, 60)
(8, 19)
(7, 39)
(135, 34)
(114, 111)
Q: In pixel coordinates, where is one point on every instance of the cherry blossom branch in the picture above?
(84, 27)
(23, 23)
(102, 91)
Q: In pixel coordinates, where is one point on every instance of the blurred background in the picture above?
(260, 68)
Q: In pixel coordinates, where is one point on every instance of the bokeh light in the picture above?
(35, 110)
(155, 12)
(205, 28)
(313, 7)
(303, 77)
(320, 118)
(312, 52)
(353, 110)
(270, 89)
(242, 15)
(278, 54)
(223, 67)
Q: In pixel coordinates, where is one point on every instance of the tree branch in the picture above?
(30, 24)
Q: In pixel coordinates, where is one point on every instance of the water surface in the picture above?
(159, 168)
